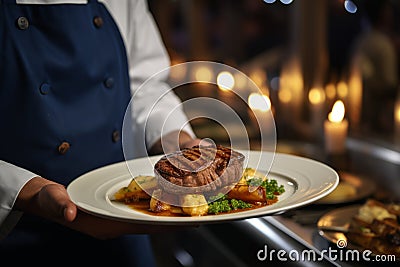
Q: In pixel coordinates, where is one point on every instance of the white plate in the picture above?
(305, 181)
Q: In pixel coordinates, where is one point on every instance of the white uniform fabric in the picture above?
(146, 57)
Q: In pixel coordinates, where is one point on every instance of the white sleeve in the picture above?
(147, 56)
(12, 179)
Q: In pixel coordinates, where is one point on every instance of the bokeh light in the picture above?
(225, 80)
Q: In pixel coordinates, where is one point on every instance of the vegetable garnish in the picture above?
(271, 186)
(254, 190)
(223, 204)
(253, 179)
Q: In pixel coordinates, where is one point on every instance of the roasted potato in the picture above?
(194, 204)
(156, 205)
(142, 182)
(137, 189)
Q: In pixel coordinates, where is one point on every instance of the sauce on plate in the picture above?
(144, 207)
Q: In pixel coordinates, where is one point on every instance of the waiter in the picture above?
(68, 70)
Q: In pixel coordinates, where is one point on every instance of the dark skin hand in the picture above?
(50, 200)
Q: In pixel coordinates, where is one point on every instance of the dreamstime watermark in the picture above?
(332, 254)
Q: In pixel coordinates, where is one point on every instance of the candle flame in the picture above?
(337, 113)
(259, 102)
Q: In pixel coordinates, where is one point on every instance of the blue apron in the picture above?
(64, 89)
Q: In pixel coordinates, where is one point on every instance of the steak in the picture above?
(199, 169)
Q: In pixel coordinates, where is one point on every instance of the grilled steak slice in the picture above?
(199, 169)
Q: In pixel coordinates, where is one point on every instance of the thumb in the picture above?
(69, 212)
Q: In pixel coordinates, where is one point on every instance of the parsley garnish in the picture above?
(221, 203)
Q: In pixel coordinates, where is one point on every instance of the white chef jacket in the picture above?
(146, 56)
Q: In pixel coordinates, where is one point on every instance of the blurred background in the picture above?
(304, 55)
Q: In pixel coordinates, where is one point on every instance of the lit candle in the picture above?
(336, 129)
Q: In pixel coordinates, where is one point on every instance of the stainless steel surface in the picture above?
(387, 154)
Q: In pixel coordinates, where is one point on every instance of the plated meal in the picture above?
(376, 227)
(200, 181)
(304, 181)
(373, 226)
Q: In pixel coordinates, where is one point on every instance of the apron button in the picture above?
(109, 83)
(44, 89)
(98, 21)
(63, 148)
(115, 136)
(22, 23)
